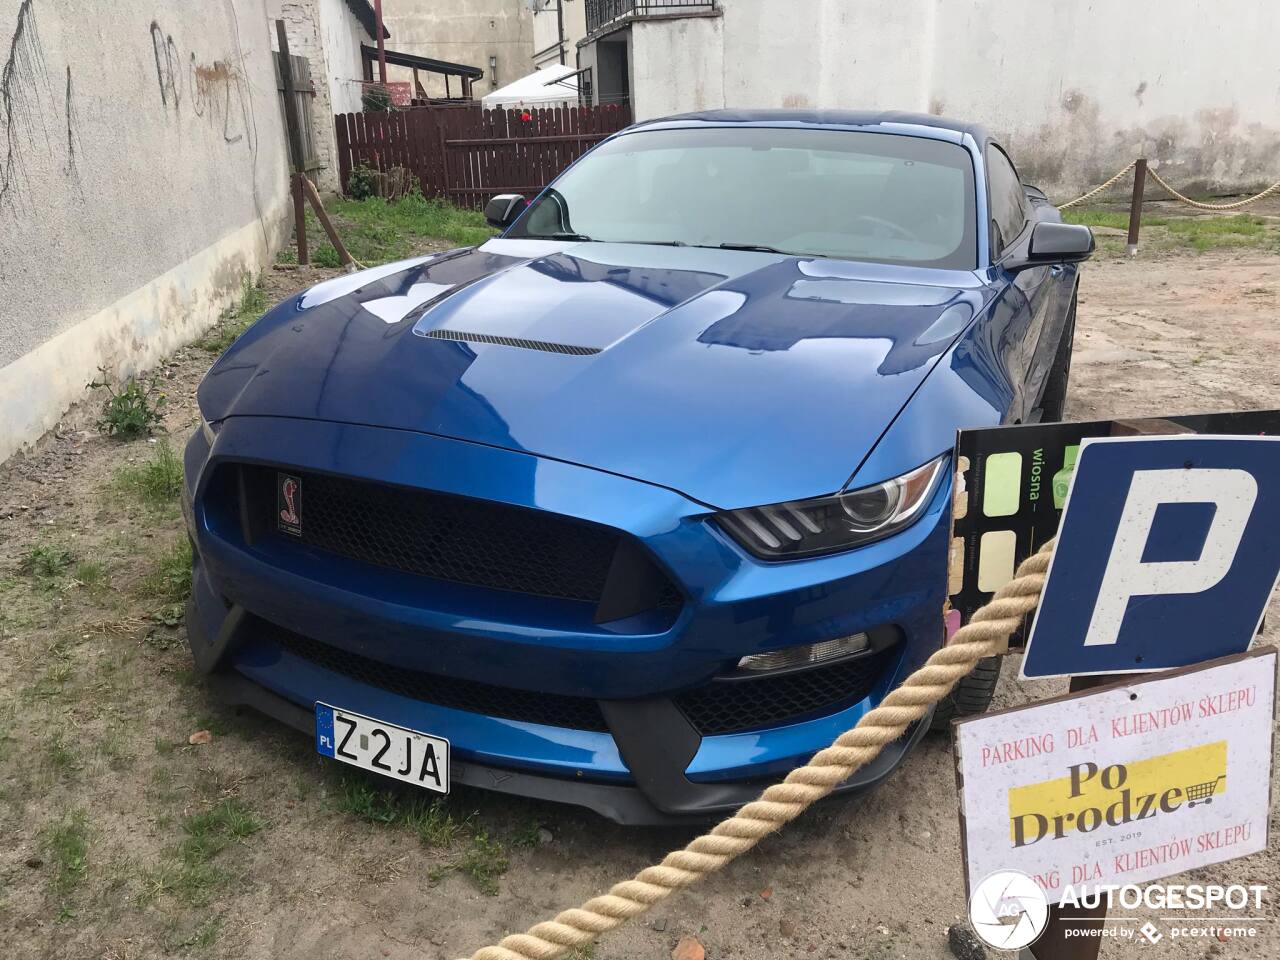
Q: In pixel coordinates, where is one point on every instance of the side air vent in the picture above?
(542, 345)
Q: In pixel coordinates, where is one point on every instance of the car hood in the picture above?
(736, 378)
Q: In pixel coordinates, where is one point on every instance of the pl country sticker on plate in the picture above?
(1124, 784)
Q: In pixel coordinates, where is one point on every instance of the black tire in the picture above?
(1054, 401)
(971, 695)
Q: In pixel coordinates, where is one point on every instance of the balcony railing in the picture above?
(601, 12)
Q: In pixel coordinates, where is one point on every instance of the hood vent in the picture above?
(524, 344)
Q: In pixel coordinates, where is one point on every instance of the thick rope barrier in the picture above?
(1099, 189)
(1213, 206)
(1181, 197)
(984, 636)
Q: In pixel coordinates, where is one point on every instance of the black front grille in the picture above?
(460, 540)
(733, 706)
(553, 710)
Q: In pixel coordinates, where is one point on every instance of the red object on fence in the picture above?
(470, 155)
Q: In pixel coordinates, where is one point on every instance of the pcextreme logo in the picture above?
(1089, 797)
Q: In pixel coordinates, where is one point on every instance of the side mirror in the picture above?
(1053, 243)
(503, 210)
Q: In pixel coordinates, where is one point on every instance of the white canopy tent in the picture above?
(549, 87)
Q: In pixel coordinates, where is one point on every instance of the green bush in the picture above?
(362, 183)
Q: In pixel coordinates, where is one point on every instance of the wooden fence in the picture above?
(304, 94)
(469, 155)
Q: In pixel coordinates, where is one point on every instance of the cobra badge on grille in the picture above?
(289, 504)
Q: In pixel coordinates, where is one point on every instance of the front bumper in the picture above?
(649, 765)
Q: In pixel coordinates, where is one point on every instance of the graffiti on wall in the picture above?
(41, 113)
(213, 90)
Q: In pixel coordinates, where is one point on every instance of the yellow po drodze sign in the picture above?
(1122, 785)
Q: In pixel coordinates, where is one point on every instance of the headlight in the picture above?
(803, 528)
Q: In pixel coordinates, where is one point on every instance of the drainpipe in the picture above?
(560, 28)
(382, 53)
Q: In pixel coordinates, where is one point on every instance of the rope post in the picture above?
(1135, 205)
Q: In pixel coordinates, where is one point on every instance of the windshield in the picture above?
(830, 193)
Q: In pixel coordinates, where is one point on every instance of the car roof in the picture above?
(926, 124)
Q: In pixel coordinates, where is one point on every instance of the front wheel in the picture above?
(971, 695)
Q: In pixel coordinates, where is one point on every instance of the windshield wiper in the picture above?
(756, 247)
(580, 237)
(654, 243)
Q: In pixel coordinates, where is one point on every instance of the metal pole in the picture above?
(560, 28)
(1135, 206)
(382, 53)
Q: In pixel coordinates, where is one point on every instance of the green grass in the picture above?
(1180, 233)
(169, 582)
(326, 255)
(1115, 219)
(380, 230)
(250, 308)
(158, 482)
(90, 573)
(67, 843)
(188, 874)
(429, 818)
(1207, 233)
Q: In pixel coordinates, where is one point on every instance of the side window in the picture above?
(1008, 200)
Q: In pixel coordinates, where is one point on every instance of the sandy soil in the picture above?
(97, 702)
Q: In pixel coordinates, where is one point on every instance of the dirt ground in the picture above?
(119, 839)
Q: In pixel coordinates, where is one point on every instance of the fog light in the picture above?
(806, 656)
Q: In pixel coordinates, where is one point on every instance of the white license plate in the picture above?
(384, 748)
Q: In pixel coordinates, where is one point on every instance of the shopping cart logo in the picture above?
(1203, 792)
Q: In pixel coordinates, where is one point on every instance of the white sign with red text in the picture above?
(1125, 784)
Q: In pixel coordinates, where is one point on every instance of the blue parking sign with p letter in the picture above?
(1167, 553)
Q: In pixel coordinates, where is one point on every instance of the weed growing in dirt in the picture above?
(431, 819)
(526, 835)
(484, 863)
(44, 562)
(157, 482)
(287, 255)
(170, 579)
(131, 411)
(67, 843)
(252, 305)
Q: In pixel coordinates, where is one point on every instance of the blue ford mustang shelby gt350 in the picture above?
(641, 503)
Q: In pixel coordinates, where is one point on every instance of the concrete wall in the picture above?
(463, 31)
(342, 34)
(1075, 88)
(327, 33)
(142, 174)
(546, 30)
